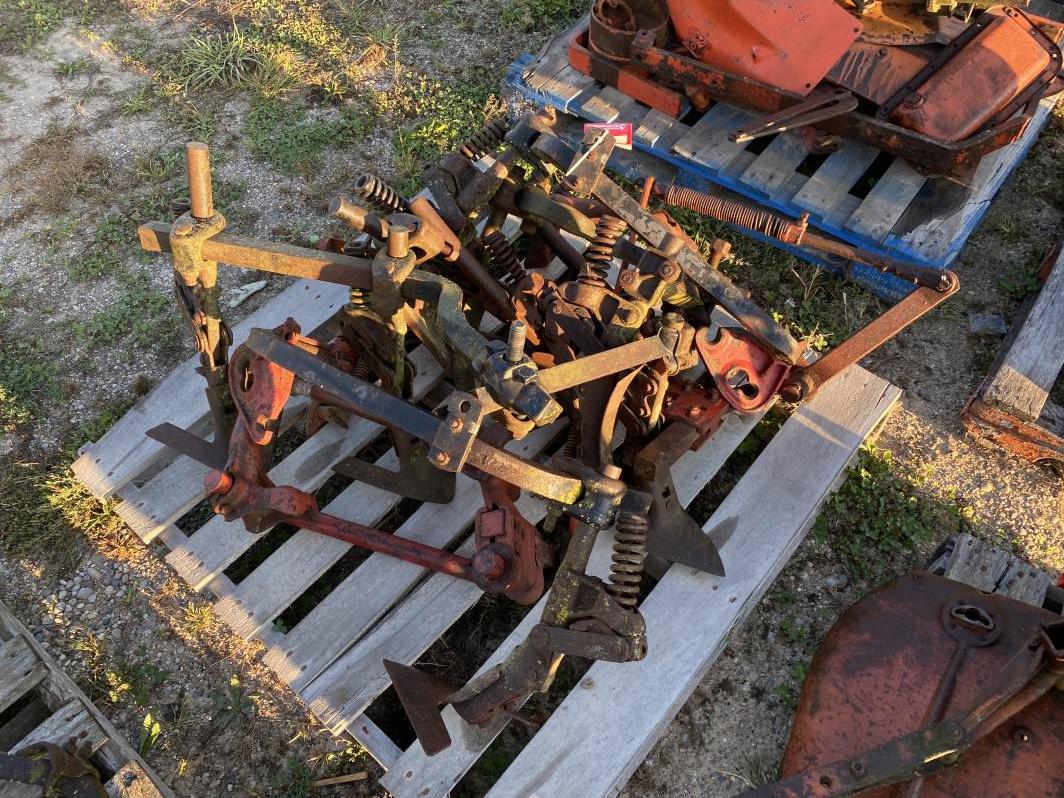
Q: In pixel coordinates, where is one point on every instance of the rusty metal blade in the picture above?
(422, 695)
(211, 454)
(677, 538)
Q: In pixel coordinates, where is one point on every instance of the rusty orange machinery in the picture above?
(932, 89)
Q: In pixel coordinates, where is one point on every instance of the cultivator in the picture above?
(638, 342)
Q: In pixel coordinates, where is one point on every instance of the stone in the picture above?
(234, 296)
(987, 324)
(836, 581)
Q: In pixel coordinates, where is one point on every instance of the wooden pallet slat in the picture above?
(71, 722)
(1035, 357)
(887, 201)
(718, 151)
(20, 671)
(772, 168)
(836, 176)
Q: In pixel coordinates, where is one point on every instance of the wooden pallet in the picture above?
(898, 217)
(39, 703)
(986, 567)
(1012, 407)
(332, 658)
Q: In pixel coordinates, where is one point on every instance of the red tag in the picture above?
(622, 131)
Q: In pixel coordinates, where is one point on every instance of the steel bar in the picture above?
(268, 256)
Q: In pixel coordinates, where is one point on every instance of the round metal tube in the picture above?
(198, 162)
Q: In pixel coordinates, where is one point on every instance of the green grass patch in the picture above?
(879, 517)
(540, 14)
(284, 136)
(143, 313)
(28, 376)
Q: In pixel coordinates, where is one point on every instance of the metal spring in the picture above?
(484, 140)
(599, 253)
(737, 213)
(504, 261)
(357, 297)
(629, 553)
(375, 191)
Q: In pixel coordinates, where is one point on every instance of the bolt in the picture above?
(1021, 734)
(490, 565)
(441, 458)
(515, 342)
(694, 412)
(456, 425)
(398, 240)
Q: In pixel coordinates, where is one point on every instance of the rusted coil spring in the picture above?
(737, 213)
(629, 553)
(505, 264)
(599, 253)
(484, 140)
(375, 191)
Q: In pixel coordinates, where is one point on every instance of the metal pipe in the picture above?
(198, 164)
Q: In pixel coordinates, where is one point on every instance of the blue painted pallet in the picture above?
(877, 219)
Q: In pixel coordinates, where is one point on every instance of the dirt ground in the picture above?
(93, 112)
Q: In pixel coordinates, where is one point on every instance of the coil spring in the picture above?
(505, 264)
(599, 253)
(484, 140)
(737, 213)
(629, 553)
(375, 191)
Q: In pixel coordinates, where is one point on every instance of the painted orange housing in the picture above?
(985, 76)
(767, 40)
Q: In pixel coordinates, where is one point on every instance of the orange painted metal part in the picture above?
(991, 71)
(628, 79)
(767, 40)
(893, 659)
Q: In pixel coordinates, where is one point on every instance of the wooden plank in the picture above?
(377, 744)
(70, 722)
(834, 179)
(607, 105)
(16, 790)
(654, 125)
(689, 615)
(545, 68)
(218, 543)
(1023, 582)
(887, 201)
(1034, 360)
(720, 151)
(23, 722)
(977, 563)
(20, 671)
(705, 130)
(418, 775)
(774, 167)
(567, 85)
(124, 452)
(131, 781)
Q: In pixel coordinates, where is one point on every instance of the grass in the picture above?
(227, 60)
(142, 314)
(29, 381)
(286, 137)
(56, 168)
(880, 517)
(540, 14)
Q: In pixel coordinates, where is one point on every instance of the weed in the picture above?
(27, 22)
(199, 617)
(283, 135)
(142, 312)
(294, 779)
(160, 163)
(28, 381)
(198, 121)
(539, 14)
(877, 516)
(234, 705)
(69, 69)
(149, 734)
(140, 101)
(229, 59)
